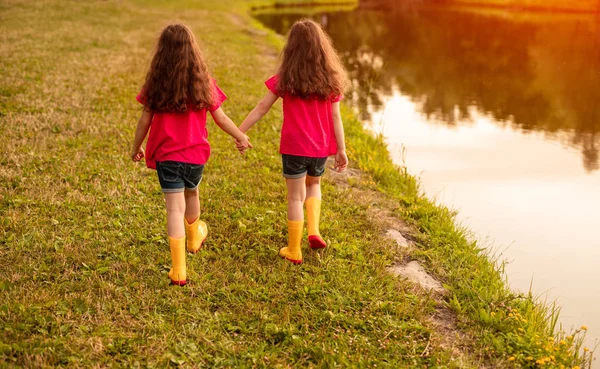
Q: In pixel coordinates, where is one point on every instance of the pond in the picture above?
(498, 114)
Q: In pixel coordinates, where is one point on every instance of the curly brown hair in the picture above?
(310, 66)
(178, 76)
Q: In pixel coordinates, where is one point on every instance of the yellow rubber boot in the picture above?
(196, 234)
(177, 274)
(293, 251)
(313, 213)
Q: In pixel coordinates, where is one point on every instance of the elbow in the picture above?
(337, 117)
(262, 108)
(219, 119)
(144, 124)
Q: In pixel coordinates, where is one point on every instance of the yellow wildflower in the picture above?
(586, 349)
(512, 358)
(583, 328)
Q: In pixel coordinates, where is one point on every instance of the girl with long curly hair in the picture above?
(311, 81)
(176, 95)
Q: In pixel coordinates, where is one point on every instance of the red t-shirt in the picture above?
(307, 124)
(180, 136)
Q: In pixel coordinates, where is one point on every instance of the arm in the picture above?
(137, 153)
(259, 111)
(341, 159)
(227, 125)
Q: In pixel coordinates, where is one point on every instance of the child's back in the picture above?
(310, 80)
(177, 94)
(181, 136)
(308, 124)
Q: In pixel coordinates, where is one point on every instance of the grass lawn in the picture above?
(83, 252)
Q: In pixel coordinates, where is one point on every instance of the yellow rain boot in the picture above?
(313, 212)
(196, 234)
(177, 274)
(293, 252)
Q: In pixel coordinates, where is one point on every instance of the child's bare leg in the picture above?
(175, 202)
(313, 187)
(295, 196)
(313, 212)
(192, 205)
(195, 229)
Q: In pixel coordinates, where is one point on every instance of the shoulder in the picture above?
(141, 97)
(336, 98)
(213, 83)
(273, 79)
(218, 95)
(272, 83)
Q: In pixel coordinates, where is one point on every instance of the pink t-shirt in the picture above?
(180, 136)
(307, 124)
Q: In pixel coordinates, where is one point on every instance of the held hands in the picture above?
(341, 161)
(137, 155)
(243, 145)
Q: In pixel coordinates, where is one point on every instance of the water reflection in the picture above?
(526, 74)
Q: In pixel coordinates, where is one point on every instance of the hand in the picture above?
(341, 160)
(243, 145)
(137, 155)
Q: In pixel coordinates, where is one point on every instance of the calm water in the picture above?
(500, 117)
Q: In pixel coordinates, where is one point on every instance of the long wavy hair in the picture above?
(178, 77)
(310, 66)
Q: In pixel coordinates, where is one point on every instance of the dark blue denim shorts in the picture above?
(175, 176)
(299, 166)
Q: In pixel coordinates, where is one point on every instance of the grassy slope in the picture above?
(83, 257)
(83, 252)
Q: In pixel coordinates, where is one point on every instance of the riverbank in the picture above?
(83, 257)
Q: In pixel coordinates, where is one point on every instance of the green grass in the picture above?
(302, 2)
(307, 7)
(83, 256)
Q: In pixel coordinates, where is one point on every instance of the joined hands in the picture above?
(243, 145)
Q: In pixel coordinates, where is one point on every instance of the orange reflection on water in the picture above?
(524, 196)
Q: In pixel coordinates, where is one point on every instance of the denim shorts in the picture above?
(175, 176)
(299, 166)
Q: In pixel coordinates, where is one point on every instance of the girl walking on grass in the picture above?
(176, 95)
(310, 80)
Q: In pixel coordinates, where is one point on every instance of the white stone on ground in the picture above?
(414, 272)
(398, 237)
